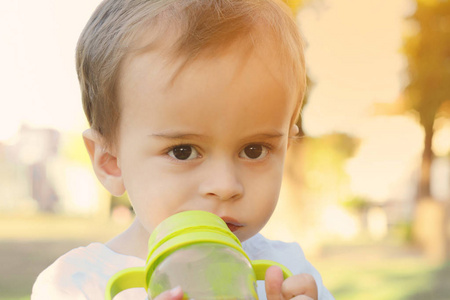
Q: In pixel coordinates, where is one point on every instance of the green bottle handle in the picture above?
(260, 267)
(125, 279)
(136, 277)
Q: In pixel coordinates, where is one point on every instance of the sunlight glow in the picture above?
(353, 59)
(387, 158)
(38, 79)
(338, 221)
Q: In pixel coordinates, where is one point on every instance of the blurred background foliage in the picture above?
(369, 205)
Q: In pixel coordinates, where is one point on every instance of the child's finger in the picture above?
(173, 294)
(273, 282)
(300, 284)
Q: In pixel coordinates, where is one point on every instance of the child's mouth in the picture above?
(232, 224)
(233, 227)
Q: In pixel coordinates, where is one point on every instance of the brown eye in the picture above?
(254, 151)
(183, 152)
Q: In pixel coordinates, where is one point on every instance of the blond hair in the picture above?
(201, 25)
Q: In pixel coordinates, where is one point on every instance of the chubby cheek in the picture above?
(260, 202)
(154, 194)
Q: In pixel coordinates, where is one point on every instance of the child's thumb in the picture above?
(274, 281)
(173, 294)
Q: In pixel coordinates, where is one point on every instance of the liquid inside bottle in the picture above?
(205, 271)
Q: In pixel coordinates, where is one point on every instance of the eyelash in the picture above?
(268, 147)
(172, 148)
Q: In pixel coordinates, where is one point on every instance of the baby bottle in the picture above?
(197, 251)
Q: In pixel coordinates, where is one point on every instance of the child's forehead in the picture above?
(167, 71)
(207, 86)
(159, 46)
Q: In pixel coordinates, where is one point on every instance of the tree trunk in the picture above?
(427, 159)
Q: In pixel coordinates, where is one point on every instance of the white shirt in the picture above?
(83, 273)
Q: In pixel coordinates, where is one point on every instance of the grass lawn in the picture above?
(22, 261)
(383, 272)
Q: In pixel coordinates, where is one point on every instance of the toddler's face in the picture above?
(214, 140)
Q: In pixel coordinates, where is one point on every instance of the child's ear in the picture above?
(293, 133)
(104, 162)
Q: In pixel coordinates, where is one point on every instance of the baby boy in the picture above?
(192, 105)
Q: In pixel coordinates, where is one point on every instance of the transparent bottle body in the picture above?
(205, 271)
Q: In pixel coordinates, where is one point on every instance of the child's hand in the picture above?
(298, 287)
(173, 294)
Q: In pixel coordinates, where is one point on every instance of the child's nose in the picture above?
(222, 182)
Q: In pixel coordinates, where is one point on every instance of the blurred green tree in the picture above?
(427, 50)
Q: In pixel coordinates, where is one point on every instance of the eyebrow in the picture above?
(268, 135)
(181, 135)
(177, 135)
